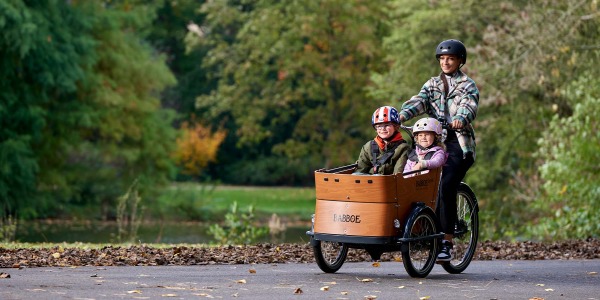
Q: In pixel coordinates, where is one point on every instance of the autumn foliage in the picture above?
(196, 147)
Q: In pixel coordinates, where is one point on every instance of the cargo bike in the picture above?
(386, 213)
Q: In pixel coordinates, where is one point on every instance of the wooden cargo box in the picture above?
(367, 205)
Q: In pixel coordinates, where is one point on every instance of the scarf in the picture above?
(397, 137)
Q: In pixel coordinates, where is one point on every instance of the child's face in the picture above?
(425, 139)
(385, 130)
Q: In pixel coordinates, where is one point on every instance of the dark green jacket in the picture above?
(392, 166)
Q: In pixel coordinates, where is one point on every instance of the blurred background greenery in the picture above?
(98, 95)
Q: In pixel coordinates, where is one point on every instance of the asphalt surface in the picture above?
(501, 279)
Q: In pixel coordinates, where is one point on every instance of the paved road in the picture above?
(554, 279)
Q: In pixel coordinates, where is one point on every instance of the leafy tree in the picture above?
(167, 35)
(44, 49)
(570, 149)
(129, 136)
(531, 52)
(80, 94)
(417, 28)
(292, 76)
(196, 147)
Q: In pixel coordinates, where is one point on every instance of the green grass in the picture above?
(200, 201)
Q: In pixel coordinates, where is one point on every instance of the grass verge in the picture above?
(202, 202)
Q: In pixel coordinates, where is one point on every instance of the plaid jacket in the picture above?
(462, 102)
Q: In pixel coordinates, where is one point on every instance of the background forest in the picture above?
(97, 95)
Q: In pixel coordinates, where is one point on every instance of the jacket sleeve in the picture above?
(417, 105)
(437, 160)
(409, 165)
(467, 105)
(402, 150)
(364, 159)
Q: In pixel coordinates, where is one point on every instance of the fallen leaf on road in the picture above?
(4, 275)
(325, 288)
(425, 298)
(592, 273)
(298, 291)
(549, 290)
(252, 271)
(169, 295)
(370, 297)
(134, 292)
(401, 287)
(536, 298)
(202, 295)
(344, 293)
(540, 284)
(241, 281)
(365, 279)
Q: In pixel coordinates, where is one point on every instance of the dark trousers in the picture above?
(453, 173)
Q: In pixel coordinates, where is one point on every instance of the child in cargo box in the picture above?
(387, 153)
(430, 151)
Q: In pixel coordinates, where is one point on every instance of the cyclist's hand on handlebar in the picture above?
(402, 119)
(456, 124)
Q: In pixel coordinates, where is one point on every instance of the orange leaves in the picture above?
(196, 147)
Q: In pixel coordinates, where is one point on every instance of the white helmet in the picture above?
(428, 124)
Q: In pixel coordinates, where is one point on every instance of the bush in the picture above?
(571, 151)
(238, 228)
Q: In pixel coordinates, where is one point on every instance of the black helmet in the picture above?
(454, 47)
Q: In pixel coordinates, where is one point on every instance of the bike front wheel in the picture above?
(419, 258)
(330, 256)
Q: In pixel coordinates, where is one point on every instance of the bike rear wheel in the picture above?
(466, 231)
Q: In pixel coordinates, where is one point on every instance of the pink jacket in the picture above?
(437, 160)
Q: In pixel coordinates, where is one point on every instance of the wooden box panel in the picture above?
(355, 188)
(355, 218)
(418, 188)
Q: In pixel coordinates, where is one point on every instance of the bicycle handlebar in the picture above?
(445, 125)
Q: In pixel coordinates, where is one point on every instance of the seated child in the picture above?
(387, 153)
(430, 151)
